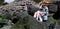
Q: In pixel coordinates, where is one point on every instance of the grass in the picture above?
(53, 20)
(37, 1)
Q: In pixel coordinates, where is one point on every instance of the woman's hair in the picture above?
(46, 1)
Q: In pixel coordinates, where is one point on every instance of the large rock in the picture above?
(30, 24)
(53, 8)
(6, 27)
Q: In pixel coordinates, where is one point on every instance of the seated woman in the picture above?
(42, 15)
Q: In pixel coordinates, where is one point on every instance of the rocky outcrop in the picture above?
(21, 15)
(18, 13)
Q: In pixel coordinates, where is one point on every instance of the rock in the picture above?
(6, 27)
(31, 23)
(52, 8)
(31, 9)
(57, 26)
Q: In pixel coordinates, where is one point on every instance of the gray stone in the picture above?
(57, 26)
(6, 27)
(32, 23)
(53, 8)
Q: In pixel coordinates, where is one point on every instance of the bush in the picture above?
(37, 1)
(53, 20)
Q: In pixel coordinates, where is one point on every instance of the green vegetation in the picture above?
(53, 20)
(1, 2)
(4, 16)
(37, 1)
(3, 19)
(23, 20)
(21, 24)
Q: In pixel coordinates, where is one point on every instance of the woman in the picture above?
(43, 13)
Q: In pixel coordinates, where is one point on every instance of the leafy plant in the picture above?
(21, 24)
(37, 1)
(1, 2)
(4, 16)
(53, 20)
(3, 19)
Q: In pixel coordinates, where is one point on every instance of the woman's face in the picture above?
(46, 4)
